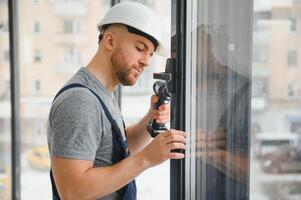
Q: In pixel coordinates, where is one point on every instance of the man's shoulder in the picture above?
(76, 95)
(76, 101)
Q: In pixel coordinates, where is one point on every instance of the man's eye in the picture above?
(139, 49)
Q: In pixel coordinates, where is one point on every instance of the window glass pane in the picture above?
(137, 99)
(219, 75)
(276, 111)
(47, 60)
(5, 105)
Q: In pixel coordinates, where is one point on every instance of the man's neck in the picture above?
(101, 67)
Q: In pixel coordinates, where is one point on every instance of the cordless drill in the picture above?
(161, 90)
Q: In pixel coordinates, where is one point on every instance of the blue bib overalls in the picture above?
(120, 147)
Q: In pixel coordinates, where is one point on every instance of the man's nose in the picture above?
(144, 61)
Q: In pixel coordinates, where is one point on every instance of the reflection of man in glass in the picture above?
(223, 95)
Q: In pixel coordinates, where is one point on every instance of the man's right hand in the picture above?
(78, 179)
(160, 149)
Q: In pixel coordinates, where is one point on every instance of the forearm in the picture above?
(98, 182)
(77, 179)
(137, 135)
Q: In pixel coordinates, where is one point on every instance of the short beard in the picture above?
(121, 72)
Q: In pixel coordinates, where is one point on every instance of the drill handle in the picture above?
(153, 127)
(157, 105)
(160, 102)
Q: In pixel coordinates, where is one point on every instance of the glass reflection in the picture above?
(223, 87)
(222, 118)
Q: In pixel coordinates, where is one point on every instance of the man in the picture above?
(86, 137)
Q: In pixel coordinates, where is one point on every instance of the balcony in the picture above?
(70, 7)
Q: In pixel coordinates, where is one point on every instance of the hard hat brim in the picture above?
(160, 51)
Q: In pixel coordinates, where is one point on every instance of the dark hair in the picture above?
(102, 30)
(99, 38)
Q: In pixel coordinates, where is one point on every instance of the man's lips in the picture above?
(138, 70)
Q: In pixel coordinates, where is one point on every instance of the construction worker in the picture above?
(93, 155)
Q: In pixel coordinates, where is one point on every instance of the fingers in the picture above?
(175, 155)
(175, 139)
(165, 107)
(154, 99)
(172, 133)
(162, 115)
(176, 145)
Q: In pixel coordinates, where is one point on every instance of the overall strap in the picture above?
(78, 85)
(55, 193)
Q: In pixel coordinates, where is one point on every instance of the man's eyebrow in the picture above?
(143, 44)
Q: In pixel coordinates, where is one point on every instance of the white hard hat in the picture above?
(139, 17)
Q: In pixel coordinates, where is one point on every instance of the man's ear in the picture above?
(109, 40)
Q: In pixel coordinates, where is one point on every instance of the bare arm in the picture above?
(77, 179)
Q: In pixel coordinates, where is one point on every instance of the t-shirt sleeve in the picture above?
(76, 120)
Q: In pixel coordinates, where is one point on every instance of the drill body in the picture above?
(160, 89)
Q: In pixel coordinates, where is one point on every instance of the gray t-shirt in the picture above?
(78, 127)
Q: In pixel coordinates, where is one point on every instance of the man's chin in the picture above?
(129, 82)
